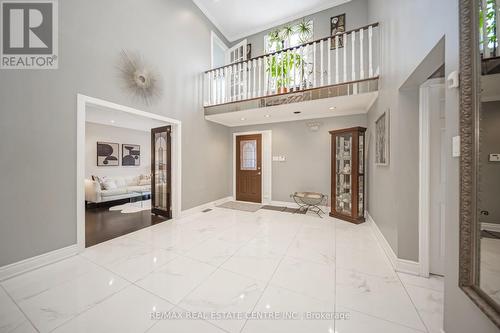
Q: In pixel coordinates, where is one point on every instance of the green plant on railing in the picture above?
(280, 67)
(491, 25)
(305, 30)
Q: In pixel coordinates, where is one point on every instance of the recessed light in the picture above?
(243, 119)
(267, 115)
(333, 108)
(297, 112)
(112, 121)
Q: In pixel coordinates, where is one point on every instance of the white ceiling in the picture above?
(320, 108)
(116, 118)
(241, 18)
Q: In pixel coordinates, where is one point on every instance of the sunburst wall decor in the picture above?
(139, 78)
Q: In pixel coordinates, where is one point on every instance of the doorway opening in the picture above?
(432, 174)
(128, 170)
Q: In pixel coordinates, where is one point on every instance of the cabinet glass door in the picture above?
(343, 176)
(161, 171)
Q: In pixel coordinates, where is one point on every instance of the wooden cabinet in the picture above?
(348, 174)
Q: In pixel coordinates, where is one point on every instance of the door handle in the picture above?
(258, 173)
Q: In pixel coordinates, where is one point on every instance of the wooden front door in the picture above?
(249, 168)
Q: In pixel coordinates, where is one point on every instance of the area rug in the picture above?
(243, 206)
(132, 207)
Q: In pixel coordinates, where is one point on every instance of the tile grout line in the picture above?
(20, 309)
(272, 275)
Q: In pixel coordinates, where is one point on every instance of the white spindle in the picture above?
(254, 88)
(329, 70)
(294, 58)
(302, 68)
(238, 82)
(361, 60)
(205, 89)
(259, 77)
(486, 50)
(322, 70)
(497, 20)
(288, 74)
(370, 51)
(353, 44)
(211, 82)
(266, 76)
(314, 65)
(336, 58)
(345, 56)
(283, 59)
(226, 70)
(245, 80)
(249, 79)
(217, 87)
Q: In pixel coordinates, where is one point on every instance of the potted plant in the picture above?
(280, 68)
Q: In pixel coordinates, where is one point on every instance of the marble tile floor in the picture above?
(226, 271)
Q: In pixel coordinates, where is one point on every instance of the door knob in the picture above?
(258, 173)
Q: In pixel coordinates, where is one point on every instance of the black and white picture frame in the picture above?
(337, 26)
(131, 155)
(382, 139)
(108, 154)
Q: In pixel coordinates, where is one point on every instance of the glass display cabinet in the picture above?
(348, 174)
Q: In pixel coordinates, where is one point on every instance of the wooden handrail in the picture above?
(373, 25)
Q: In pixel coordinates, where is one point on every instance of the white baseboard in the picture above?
(207, 205)
(399, 265)
(26, 265)
(495, 227)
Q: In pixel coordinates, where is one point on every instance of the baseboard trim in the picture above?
(26, 265)
(399, 265)
(207, 205)
(495, 227)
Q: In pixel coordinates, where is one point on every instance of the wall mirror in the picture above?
(480, 154)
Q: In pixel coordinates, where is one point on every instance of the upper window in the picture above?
(289, 35)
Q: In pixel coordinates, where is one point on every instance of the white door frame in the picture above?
(424, 176)
(82, 103)
(215, 39)
(266, 164)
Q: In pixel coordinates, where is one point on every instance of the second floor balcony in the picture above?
(337, 73)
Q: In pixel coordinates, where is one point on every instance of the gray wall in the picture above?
(356, 16)
(308, 154)
(489, 181)
(38, 114)
(405, 42)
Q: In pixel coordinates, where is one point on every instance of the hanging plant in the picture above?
(286, 32)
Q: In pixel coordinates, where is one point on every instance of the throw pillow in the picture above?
(110, 184)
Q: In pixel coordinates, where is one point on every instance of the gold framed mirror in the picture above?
(479, 275)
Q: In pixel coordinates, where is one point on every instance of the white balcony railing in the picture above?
(312, 65)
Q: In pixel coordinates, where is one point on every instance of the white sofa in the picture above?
(127, 187)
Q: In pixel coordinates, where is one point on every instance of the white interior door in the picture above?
(235, 55)
(437, 176)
